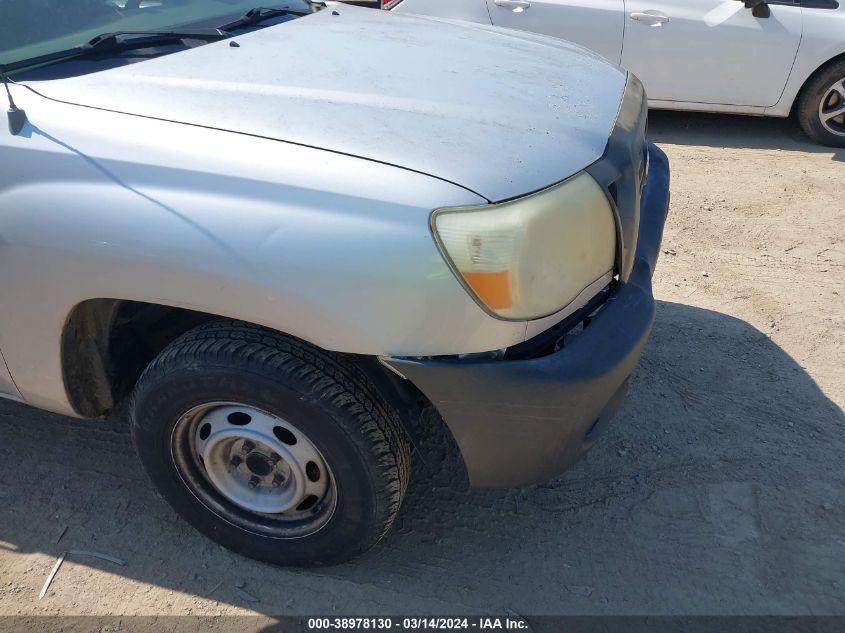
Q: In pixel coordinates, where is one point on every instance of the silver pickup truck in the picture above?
(301, 239)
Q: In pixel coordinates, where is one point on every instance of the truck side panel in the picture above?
(96, 204)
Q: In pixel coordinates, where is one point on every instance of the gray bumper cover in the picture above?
(518, 422)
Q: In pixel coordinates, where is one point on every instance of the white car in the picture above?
(742, 56)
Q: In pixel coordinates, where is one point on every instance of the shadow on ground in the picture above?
(734, 131)
(718, 490)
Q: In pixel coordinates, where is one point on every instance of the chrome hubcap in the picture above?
(258, 462)
(832, 109)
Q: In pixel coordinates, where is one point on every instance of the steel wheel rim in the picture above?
(255, 470)
(832, 109)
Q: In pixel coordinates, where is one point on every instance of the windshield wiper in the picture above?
(118, 41)
(126, 40)
(259, 14)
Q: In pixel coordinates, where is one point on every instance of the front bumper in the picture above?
(518, 422)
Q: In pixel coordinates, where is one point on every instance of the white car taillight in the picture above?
(389, 4)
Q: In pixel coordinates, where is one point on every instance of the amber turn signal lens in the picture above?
(492, 288)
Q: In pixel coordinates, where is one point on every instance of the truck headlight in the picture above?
(531, 257)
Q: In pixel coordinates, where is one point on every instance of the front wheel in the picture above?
(273, 448)
(821, 108)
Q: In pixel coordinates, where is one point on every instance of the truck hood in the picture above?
(501, 113)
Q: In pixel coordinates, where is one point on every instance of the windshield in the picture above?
(30, 28)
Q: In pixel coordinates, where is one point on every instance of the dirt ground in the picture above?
(720, 489)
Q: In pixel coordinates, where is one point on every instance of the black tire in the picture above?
(321, 394)
(810, 104)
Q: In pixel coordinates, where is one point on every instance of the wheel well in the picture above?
(442, 462)
(107, 344)
(813, 75)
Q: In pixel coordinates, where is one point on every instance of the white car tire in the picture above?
(821, 107)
